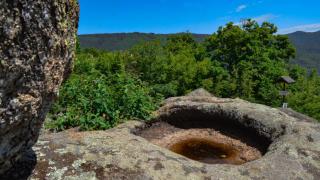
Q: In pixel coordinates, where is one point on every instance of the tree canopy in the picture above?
(243, 61)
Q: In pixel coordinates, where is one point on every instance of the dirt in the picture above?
(201, 144)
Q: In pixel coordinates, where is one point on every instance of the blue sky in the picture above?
(197, 16)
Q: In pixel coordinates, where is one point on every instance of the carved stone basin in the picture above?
(208, 137)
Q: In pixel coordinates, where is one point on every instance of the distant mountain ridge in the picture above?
(308, 48)
(306, 43)
(124, 41)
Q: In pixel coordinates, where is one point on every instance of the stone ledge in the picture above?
(118, 153)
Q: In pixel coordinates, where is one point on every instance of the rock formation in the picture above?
(37, 42)
(291, 147)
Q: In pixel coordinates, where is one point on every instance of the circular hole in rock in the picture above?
(213, 138)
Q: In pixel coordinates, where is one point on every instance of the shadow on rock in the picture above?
(22, 169)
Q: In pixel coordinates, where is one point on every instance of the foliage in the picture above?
(308, 49)
(125, 41)
(100, 94)
(169, 71)
(306, 43)
(254, 56)
(306, 92)
(244, 61)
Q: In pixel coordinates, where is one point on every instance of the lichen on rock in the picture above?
(292, 150)
(37, 42)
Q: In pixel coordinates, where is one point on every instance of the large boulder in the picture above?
(290, 145)
(37, 43)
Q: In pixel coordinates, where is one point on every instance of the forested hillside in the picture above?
(107, 88)
(307, 44)
(125, 41)
(308, 48)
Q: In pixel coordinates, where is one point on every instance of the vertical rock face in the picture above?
(37, 42)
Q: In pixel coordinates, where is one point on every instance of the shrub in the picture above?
(99, 95)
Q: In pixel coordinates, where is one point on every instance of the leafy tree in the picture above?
(305, 96)
(254, 56)
(180, 42)
(185, 43)
(246, 61)
(169, 71)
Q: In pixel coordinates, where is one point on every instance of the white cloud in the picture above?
(259, 19)
(241, 7)
(305, 28)
(264, 17)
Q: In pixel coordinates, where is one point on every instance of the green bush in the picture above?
(99, 95)
(169, 71)
(305, 96)
(245, 61)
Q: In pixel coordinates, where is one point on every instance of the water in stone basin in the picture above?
(206, 151)
(205, 145)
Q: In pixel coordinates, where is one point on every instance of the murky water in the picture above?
(207, 151)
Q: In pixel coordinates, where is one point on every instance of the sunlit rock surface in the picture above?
(119, 153)
(37, 42)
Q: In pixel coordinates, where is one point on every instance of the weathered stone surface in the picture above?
(200, 92)
(37, 42)
(294, 152)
